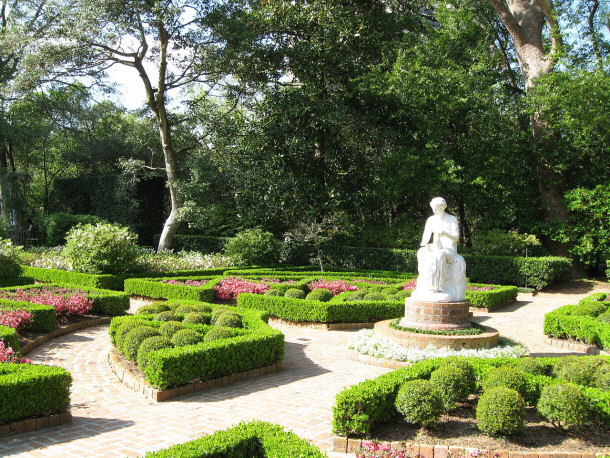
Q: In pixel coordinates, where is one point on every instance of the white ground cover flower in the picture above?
(369, 343)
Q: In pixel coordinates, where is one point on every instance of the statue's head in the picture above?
(438, 205)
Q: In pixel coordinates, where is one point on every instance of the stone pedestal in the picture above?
(436, 316)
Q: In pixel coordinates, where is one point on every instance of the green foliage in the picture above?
(10, 337)
(186, 337)
(157, 289)
(496, 242)
(319, 294)
(506, 377)
(374, 296)
(500, 411)
(165, 316)
(105, 248)
(254, 247)
(229, 320)
(420, 402)
(295, 293)
(10, 259)
(222, 310)
(533, 366)
(217, 333)
(273, 292)
(601, 378)
(134, 338)
(31, 390)
(79, 279)
(196, 318)
(452, 383)
(563, 404)
(153, 309)
(57, 226)
(491, 299)
(120, 328)
(169, 328)
(151, 344)
(579, 369)
(254, 439)
(43, 316)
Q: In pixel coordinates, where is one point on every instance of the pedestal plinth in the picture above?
(436, 316)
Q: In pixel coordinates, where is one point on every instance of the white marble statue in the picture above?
(442, 271)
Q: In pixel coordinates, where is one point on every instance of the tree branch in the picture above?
(507, 18)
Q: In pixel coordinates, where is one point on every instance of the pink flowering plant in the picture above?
(410, 285)
(231, 287)
(7, 355)
(187, 282)
(65, 301)
(373, 449)
(335, 286)
(15, 319)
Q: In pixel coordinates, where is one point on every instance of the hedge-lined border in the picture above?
(10, 337)
(16, 281)
(497, 297)
(361, 407)
(35, 424)
(174, 367)
(156, 289)
(254, 438)
(30, 390)
(43, 316)
(574, 322)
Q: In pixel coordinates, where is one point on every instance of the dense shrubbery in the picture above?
(420, 402)
(500, 411)
(57, 225)
(563, 404)
(497, 242)
(10, 259)
(254, 247)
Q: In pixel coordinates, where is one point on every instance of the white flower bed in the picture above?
(369, 343)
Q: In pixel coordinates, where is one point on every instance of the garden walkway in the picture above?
(111, 420)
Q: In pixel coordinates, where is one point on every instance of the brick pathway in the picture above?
(111, 420)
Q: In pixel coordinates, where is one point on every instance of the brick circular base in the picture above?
(436, 315)
(487, 339)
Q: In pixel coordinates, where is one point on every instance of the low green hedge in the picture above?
(10, 337)
(361, 407)
(43, 316)
(254, 439)
(322, 312)
(4, 282)
(30, 390)
(159, 290)
(491, 299)
(260, 346)
(580, 322)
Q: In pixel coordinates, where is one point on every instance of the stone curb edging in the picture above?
(343, 444)
(138, 385)
(576, 346)
(61, 332)
(374, 361)
(323, 326)
(34, 424)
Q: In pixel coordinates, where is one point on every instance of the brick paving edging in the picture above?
(138, 385)
(38, 341)
(576, 346)
(343, 444)
(34, 424)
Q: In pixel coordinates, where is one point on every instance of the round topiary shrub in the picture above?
(390, 290)
(469, 375)
(169, 328)
(219, 311)
(152, 309)
(375, 296)
(295, 293)
(320, 294)
(500, 411)
(532, 366)
(357, 295)
(151, 344)
(506, 377)
(272, 292)
(184, 309)
(218, 333)
(403, 294)
(165, 316)
(134, 338)
(122, 331)
(101, 249)
(10, 259)
(254, 247)
(186, 337)
(420, 402)
(229, 320)
(602, 378)
(563, 404)
(578, 369)
(452, 383)
(196, 318)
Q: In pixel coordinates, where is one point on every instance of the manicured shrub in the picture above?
(295, 293)
(165, 316)
(184, 309)
(134, 338)
(153, 309)
(374, 296)
(196, 318)
(563, 404)
(101, 249)
(220, 311)
(506, 377)
(357, 295)
(151, 344)
(452, 384)
(420, 402)
(273, 292)
(602, 378)
(169, 328)
(65, 301)
(10, 264)
(229, 320)
(253, 247)
(186, 337)
(218, 333)
(403, 294)
(533, 366)
(10, 337)
(124, 328)
(578, 369)
(500, 411)
(320, 294)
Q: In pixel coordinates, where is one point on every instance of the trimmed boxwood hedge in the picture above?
(361, 407)
(322, 312)
(580, 321)
(43, 316)
(491, 299)
(254, 439)
(16, 281)
(30, 390)
(255, 346)
(156, 289)
(10, 337)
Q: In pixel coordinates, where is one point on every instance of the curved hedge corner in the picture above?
(361, 407)
(156, 289)
(43, 316)
(254, 439)
(322, 312)
(491, 299)
(581, 322)
(10, 337)
(257, 345)
(29, 390)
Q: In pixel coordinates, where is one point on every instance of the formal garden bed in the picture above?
(525, 405)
